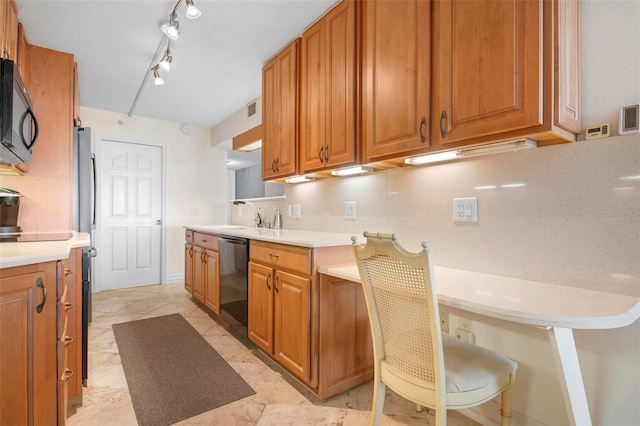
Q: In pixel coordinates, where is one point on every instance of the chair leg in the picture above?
(379, 389)
(505, 410)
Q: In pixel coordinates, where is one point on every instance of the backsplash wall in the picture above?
(565, 214)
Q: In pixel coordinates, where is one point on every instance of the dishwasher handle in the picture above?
(233, 240)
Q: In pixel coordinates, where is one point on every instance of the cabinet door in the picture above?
(280, 112)
(10, 30)
(212, 280)
(395, 78)
(487, 68)
(346, 346)
(197, 285)
(28, 369)
(260, 306)
(188, 267)
(327, 90)
(292, 323)
(23, 56)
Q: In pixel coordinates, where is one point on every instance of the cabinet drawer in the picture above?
(188, 236)
(295, 259)
(206, 241)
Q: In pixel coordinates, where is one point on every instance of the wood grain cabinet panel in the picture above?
(280, 114)
(328, 90)
(28, 367)
(9, 30)
(202, 269)
(395, 78)
(505, 70)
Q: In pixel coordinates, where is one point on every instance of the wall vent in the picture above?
(251, 109)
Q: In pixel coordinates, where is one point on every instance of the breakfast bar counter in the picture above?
(557, 308)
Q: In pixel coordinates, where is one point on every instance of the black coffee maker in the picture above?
(9, 205)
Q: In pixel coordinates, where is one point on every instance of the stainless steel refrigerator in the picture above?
(84, 220)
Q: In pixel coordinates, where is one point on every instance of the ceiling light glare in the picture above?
(172, 28)
(157, 80)
(192, 11)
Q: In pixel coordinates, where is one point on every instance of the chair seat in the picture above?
(470, 367)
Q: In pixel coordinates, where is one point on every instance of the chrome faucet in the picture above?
(257, 220)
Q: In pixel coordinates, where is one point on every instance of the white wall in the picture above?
(575, 222)
(196, 174)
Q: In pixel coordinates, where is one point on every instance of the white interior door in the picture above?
(129, 220)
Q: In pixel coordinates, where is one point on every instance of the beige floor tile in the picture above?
(279, 399)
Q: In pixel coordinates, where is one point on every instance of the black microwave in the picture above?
(18, 124)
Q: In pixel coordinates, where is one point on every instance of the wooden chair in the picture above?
(412, 357)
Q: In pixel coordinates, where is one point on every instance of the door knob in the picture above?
(159, 222)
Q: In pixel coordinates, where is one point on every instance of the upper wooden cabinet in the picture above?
(395, 78)
(23, 56)
(504, 69)
(280, 114)
(328, 90)
(9, 29)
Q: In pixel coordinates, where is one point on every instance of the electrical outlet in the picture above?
(288, 210)
(464, 324)
(465, 209)
(349, 209)
(296, 211)
(444, 322)
(466, 336)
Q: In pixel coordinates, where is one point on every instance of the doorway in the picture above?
(129, 222)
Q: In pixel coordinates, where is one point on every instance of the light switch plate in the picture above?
(465, 209)
(349, 209)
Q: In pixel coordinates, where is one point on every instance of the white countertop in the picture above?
(282, 236)
(27, 253)
(522, 301)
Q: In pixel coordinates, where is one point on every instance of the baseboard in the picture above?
(488, 414)
(174, 279)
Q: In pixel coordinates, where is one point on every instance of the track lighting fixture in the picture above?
(165, 62)
(192, 11)
(157, 80)
(172, 28)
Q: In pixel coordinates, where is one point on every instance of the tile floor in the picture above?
(279, 399)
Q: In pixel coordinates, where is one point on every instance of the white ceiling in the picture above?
(217, 60)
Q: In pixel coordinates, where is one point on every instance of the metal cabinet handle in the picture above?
(67, 340)
(268, 278)
(423, 123)
(273, 166)
(191, 251)
(67, 306)
(67, 374)
(326, 153)
(67, 272)
(443, 132)
(320, 154)
(275, 284)
(40, 283)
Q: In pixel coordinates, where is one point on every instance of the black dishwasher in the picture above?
(234, 258)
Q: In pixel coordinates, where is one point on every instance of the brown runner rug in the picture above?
(172, 372)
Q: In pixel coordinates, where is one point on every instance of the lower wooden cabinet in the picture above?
(28, 370)
(202, 269)
(279, 317)
(346, 346)
(314, 326)
(69, 334)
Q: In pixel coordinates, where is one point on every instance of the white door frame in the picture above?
(99, 140)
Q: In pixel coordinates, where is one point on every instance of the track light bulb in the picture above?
(192, 11)
(157, 80)
(172, 28)
(165, 63)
